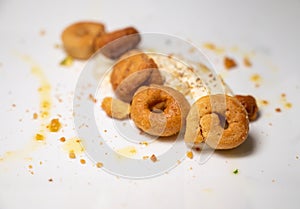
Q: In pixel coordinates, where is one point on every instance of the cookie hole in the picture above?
(158, 107)
(223, 122)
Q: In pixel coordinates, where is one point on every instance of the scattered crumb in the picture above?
(153, 158)
(50, 180)
(145, 157)
(256, 78)
(42, 32)
(278, 109)
(264, 102)
(92, 98)
(190, 154)
(82, 161)
(273, 180)
(288, 105)
(297, 157)
(72, 155)
(270, 124)
(99, 165)
(191, 168)
(105, 131)
(57, 46)
(198, 149)
(62, 139)
(210, 46)
(68, 61)
(54, 125)
(236, 171)
(144, 143)
(229, 63)
(178, 162)
(30, 166)
(192, 50)
(41, 162)
(35, 116)
(39, 137)
(247, 62)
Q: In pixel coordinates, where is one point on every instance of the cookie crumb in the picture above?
(247, 62)
(190, 154)
(278, 109)
(39, 137)
(229, 63)
(288, 105)
(153, 158)
(54, 125)
(99, 165)
(144, 143)
(72, 155)
(42, 32)
(35, 115)
(50, 180)
(145, 157)
(297, 157)
(82, 161)
(62, 139)
(264, 102)
(210, 46)
(92, 98)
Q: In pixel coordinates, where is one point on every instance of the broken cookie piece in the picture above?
(115, 108)
(250, 105)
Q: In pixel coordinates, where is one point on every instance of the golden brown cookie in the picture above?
(115, 108)
(159, 110)
(116, 43)
(132, 72)
(78, 39)
(219, 120)
(250, 105)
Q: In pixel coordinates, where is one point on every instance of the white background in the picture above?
(268, 165)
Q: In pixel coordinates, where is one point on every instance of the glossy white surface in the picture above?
(268, 162)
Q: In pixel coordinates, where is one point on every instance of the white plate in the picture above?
(41, 174)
